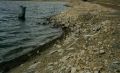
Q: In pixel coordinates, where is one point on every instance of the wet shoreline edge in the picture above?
(8, 65)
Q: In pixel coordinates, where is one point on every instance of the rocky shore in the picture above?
(90, 44)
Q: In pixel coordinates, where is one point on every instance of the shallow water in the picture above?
(17, 37)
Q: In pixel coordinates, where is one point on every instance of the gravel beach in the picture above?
(90, 43)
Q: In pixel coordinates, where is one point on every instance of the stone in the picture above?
(38, 52)
(115, 67)
(88, 72)
(96, 28)
(98, 68)
(70, 48)
(50, 64)
(81, 72)
(33, 66)
(50, 67)
(21, 65)
(60, 50)
(29, 55)
(73, 70)
(102, 52)
(82, 52)
(30, 71)
(106, 22)
(96, 71)
(58, 46)
(53, 52)
(37, 72)
(55, 63)
(64, 59)
(116, 62)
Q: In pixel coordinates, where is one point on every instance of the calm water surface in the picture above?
(18, 38)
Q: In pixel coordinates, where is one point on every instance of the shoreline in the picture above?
(8, 65)
(87, 46)
(19, 60)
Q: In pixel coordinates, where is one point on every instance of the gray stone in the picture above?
(96, 71)
(32, 68)
(115, 67)
(73, 70)
(70, 48)
(102, 52)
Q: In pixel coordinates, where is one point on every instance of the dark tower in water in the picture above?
(22, 13)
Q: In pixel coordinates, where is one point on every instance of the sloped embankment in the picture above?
(91, 44)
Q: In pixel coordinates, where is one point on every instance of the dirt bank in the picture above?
(91, 44)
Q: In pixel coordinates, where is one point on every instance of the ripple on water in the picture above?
(18, 38)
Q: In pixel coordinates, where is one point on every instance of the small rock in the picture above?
(21, 65)
(58, 46)
(116, 62)
(50, 67)
(53, 52)
(106, 22)
(55, 63)
(96, 28)
(70, 48)
(102, 52)
(82, 52)
(88, 72)
(37, 72)
(60, 50)
(38, 52)
(33, 66)
(115, 67)
(99, 43)
(98, 68)
(64, 58)
(50, 64)
(30, 71)
(81, 72)
(29, 55)
(96, 71)
(73, 70)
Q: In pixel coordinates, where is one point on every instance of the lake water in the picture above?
(17, 37)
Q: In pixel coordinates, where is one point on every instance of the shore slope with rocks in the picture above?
(91, 44)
